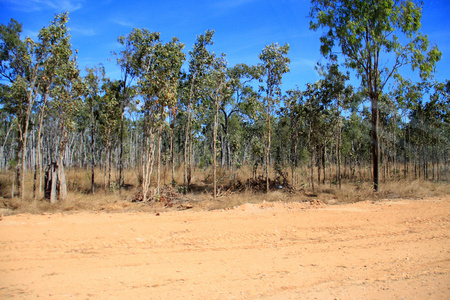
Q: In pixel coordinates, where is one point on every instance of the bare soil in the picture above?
(397, 249)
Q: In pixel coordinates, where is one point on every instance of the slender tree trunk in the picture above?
(62, 179)
(324, 153)
(375, 144)
(109, 167)
(38, 159)
(92, 152)
(330, 171)
(395, 149)
(187, 142)
(121, 147)
(2, 150)
(215, 150)
(159, 159)
(54, 176)
(338, 144)
(319, 166)
(148, 160)
(172, 152)
(311, 179)
(36, 166)
(186, 150)
(268, 144)
(294, 157)
(105, 181)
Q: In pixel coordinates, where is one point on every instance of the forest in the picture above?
(180, 116)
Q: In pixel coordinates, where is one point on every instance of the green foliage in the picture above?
(230, 108)
(367, 31)
(274, 64)
(14, 58)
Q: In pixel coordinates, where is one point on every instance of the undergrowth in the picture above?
(230, 193)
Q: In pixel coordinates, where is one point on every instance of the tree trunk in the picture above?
(187, 142)
(36, 166)
(159, 159)
(319, 166)
(375, 144)
(186, 151)
(172, 158)
(311, 178)
(121, 147)
(215, 150)
(105, 169)
(109, 168)
(324, 164)
(54, 180)
(92, 152)
(62, 180)
(268, 147)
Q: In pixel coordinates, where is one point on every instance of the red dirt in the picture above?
(367, 250)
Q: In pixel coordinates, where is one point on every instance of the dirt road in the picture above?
(381, 250)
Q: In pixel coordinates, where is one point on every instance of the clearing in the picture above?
(390, 249)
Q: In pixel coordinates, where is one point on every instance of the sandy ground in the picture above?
(368, 250)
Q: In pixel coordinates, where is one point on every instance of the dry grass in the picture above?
(80, 199)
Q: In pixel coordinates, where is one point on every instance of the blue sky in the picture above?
(243, 28)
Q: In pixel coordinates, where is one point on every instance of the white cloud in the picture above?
(37, 5)
(123, 23)
(83, 31)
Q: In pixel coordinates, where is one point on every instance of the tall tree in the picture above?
(128, 59)
(366, 32)
(55, 49)
(93, 80)
(200, 59)
(108, 117)
(274, 64)
(169, 65)
(218, 85)
(66, 103)
(19, 66)
(241, 77)
(336, 94)
(159, 71)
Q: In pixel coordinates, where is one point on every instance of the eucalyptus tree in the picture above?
(66, 102)
(318, 118)
(336, 94)
(355, 140)
(30, 66)
(241, 76)
(407, 94)
(440, 116)
(93, 80)
(108, 117)
(158, 83)
(128, 59)
(429, 127)
(55, 49)
(6, 129)
(294, 114)
(20, 72)
(171, 58)
(200, 60)
(141, 63)
(218, 90)
(369, 35)
(274, 63)
(389, 124)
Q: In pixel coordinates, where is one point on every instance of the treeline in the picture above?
(208, 116)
